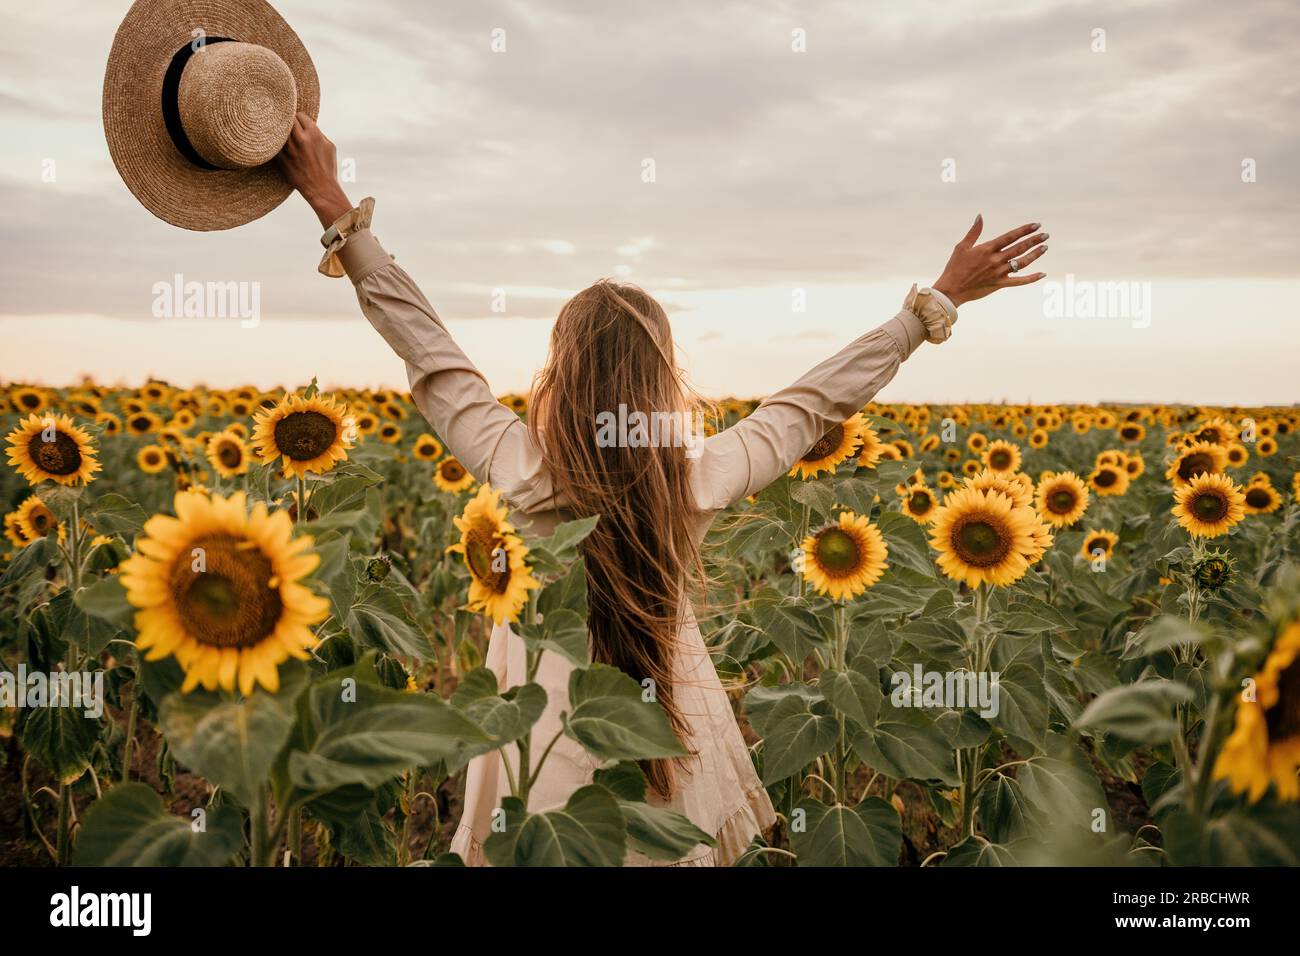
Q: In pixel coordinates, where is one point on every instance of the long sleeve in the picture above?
(485, 436)
(750, 455)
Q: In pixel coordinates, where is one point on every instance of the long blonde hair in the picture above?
(611, 345)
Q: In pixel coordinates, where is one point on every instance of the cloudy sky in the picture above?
(824, 150)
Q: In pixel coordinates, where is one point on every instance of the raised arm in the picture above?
(486, 437)
(744, 459)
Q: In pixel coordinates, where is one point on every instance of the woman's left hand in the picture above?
(976, 270)
(310, 162)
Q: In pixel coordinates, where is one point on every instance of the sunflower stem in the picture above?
(65, 818)
(129, 743)
(841, 750)
(301, 512)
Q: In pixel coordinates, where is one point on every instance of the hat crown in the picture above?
(237, 102)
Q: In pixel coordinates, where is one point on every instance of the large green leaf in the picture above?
(661, 833)
(1143, 712)
(906, 744)
(869, 834)
(504, 717)
(797, 733)
(231, 743)
(611, 719)
(853, 694)
(129, 827)
(363, 734)
(379, 619)
(61, 738)
(589, 830)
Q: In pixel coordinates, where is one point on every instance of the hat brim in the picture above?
(164, 181)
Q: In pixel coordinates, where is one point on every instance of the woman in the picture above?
(612, 345)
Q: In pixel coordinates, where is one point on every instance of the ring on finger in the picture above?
(1015, 266)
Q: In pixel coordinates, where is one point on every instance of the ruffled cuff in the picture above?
(336, 237)
(935, 310)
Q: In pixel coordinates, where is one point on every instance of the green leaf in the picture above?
(869, 834)
(61, 738)
(973, 851)
(797, 733)
(504, 717)
(816, 495)
(589, 830)
(905, 744)
(661, 833)
(106, 600)
(114, 514)
(564, 540)
(1143, 712)
(1259, 836)
(1003, 811)
(612, 721)
(853, 694)
(379, 619)
(129, 827)
(363, 734)
(231, 743)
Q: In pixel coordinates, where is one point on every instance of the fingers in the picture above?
(1016, 280)
(1004, 240)
(1023, 260)
(973, 232)
(1016, 250)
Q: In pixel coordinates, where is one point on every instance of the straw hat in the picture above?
(199, 96)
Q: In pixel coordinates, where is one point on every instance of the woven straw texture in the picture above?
(233, 107)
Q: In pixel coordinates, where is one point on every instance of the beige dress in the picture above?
(722, 794)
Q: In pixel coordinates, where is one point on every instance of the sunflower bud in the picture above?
(1213, 571)
(377, 568)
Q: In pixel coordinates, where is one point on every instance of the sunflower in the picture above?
(516, 403)
(1216, 431)
(904, 447)
(218, 587)
(1261, 498)
(142, 423)
(310, 434)
(1002, 457)
(984, 537)
(1238, 455)
(1132, 432)
(27, 400)
(390, 434)
(500, 578)
(920, 504)
(832, 448)
(367, 423)
(1198, 458)
(1019, 488)
(1264, 746)
(53, 448)
(451, 476)
(1209, 505)
(427, 448)
(1135, 465)
(151, 459)
(1266, 447)
(14, 530)
(1061, 499)
(1038, 438)
(845, 558)
(110, 423)
(872, 449)
(1109, 480)
(1099, 540)
(976, 442)
(228, 454)
(35, 519)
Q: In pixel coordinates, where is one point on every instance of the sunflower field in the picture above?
(953, 635)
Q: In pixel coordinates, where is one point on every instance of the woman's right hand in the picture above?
(975, 270)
